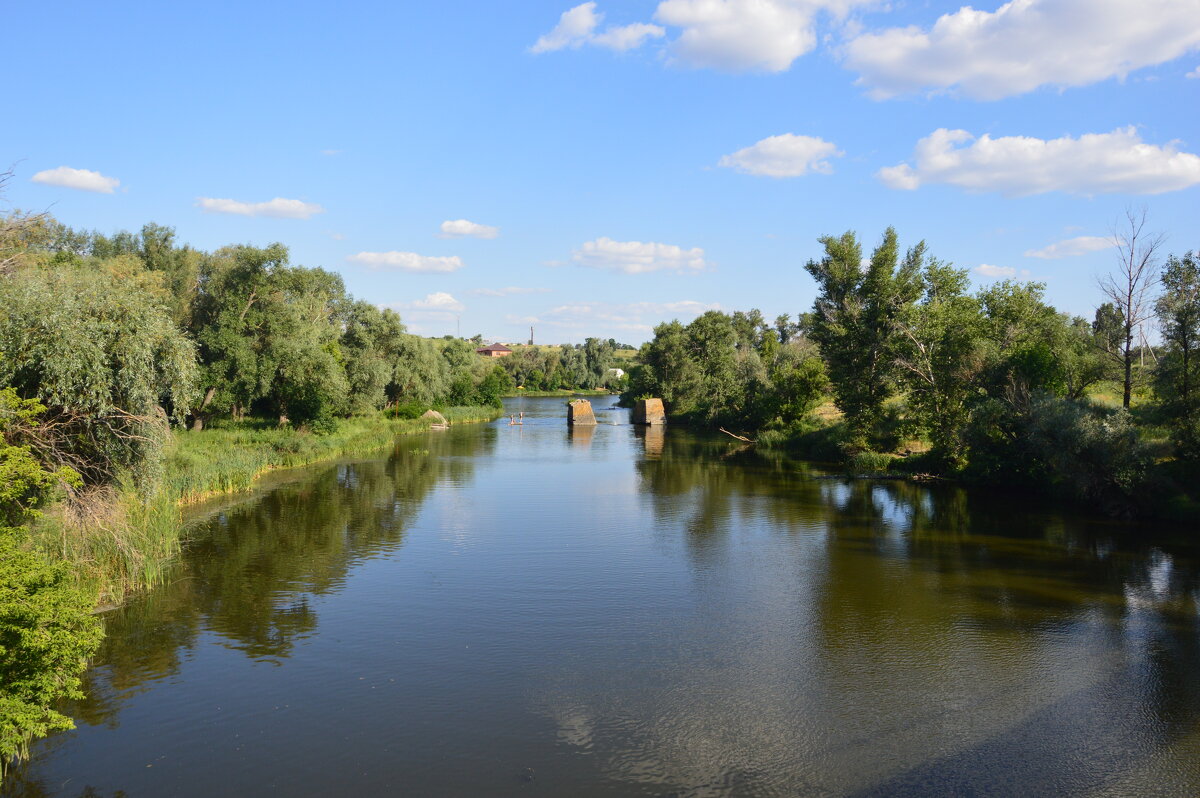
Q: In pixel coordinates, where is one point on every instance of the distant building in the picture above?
(494, 350)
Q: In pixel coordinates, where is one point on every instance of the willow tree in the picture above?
(101, 352)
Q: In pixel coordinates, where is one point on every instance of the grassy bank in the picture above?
(123, 539)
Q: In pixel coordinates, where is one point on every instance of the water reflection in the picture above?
(253, 570)
(667, 614)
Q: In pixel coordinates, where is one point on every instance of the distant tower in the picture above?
(531, 336)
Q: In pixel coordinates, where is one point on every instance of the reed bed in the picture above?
(123, 538)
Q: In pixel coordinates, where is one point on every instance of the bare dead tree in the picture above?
(18, 230)
(1129, 287)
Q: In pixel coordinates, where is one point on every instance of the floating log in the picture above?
(579, 413)
(739, 437)
(649, 411)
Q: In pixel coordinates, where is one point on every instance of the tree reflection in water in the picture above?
(251, 570)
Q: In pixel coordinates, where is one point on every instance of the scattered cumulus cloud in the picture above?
(1094, 163)
(461, 228)
(408, 262)
(439, 301)
(1001, 272)
(511, 290)
(80, 179)
(787, 155)
(1072, 247)
(1022, 45)
(577, 27)
(278, 208)
(627, 37)
(996, 272)
(331, 152)
(1194, 74)
(746, 35)
(637, 257)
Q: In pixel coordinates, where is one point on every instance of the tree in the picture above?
(1177, 381)
(855, 321)
(47, 631)
(101, 353)
(1129, 288)
(370, 344)
(941, 356)
(224, 321)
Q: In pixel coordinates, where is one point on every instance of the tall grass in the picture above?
(123, 538)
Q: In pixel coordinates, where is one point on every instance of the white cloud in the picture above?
(637, 257)
(988, 270)
(461, 228)
(438, 301)
(511, 290)
(627, 37)
(577, 27)
(787, 155)
(1025, 44)
(746, 35)
(1194, 74)
(278, 208)
(331, 152)
(81, 179)
(408, 262)
(1094, 163)
(1080, 245)
(573, 29)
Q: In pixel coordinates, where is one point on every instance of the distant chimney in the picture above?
(531, 335)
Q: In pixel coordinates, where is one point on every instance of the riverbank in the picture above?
(123, 539)
(562, 393)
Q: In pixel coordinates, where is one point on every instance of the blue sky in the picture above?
(610, 165)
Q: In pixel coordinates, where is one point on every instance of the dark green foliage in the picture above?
(1177, 382)
(710, 373)
(856, 321)
(1055, 445)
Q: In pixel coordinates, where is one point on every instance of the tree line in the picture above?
(995, 384)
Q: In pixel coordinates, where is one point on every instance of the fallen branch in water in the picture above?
(730, 434)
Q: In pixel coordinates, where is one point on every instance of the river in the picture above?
(501, 610)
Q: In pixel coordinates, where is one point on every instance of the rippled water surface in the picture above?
(534, 610)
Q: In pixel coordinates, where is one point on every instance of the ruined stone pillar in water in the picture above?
(579, 413)
(649, 411)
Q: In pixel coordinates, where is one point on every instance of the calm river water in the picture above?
(533, 610)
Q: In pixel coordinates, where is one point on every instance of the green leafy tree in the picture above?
(941, 356)
(856, 322)
(1177, 381)
(47, 631)
(371, 342)
(225, 320)
(101, 353)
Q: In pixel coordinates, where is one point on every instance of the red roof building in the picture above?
(494, 350)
